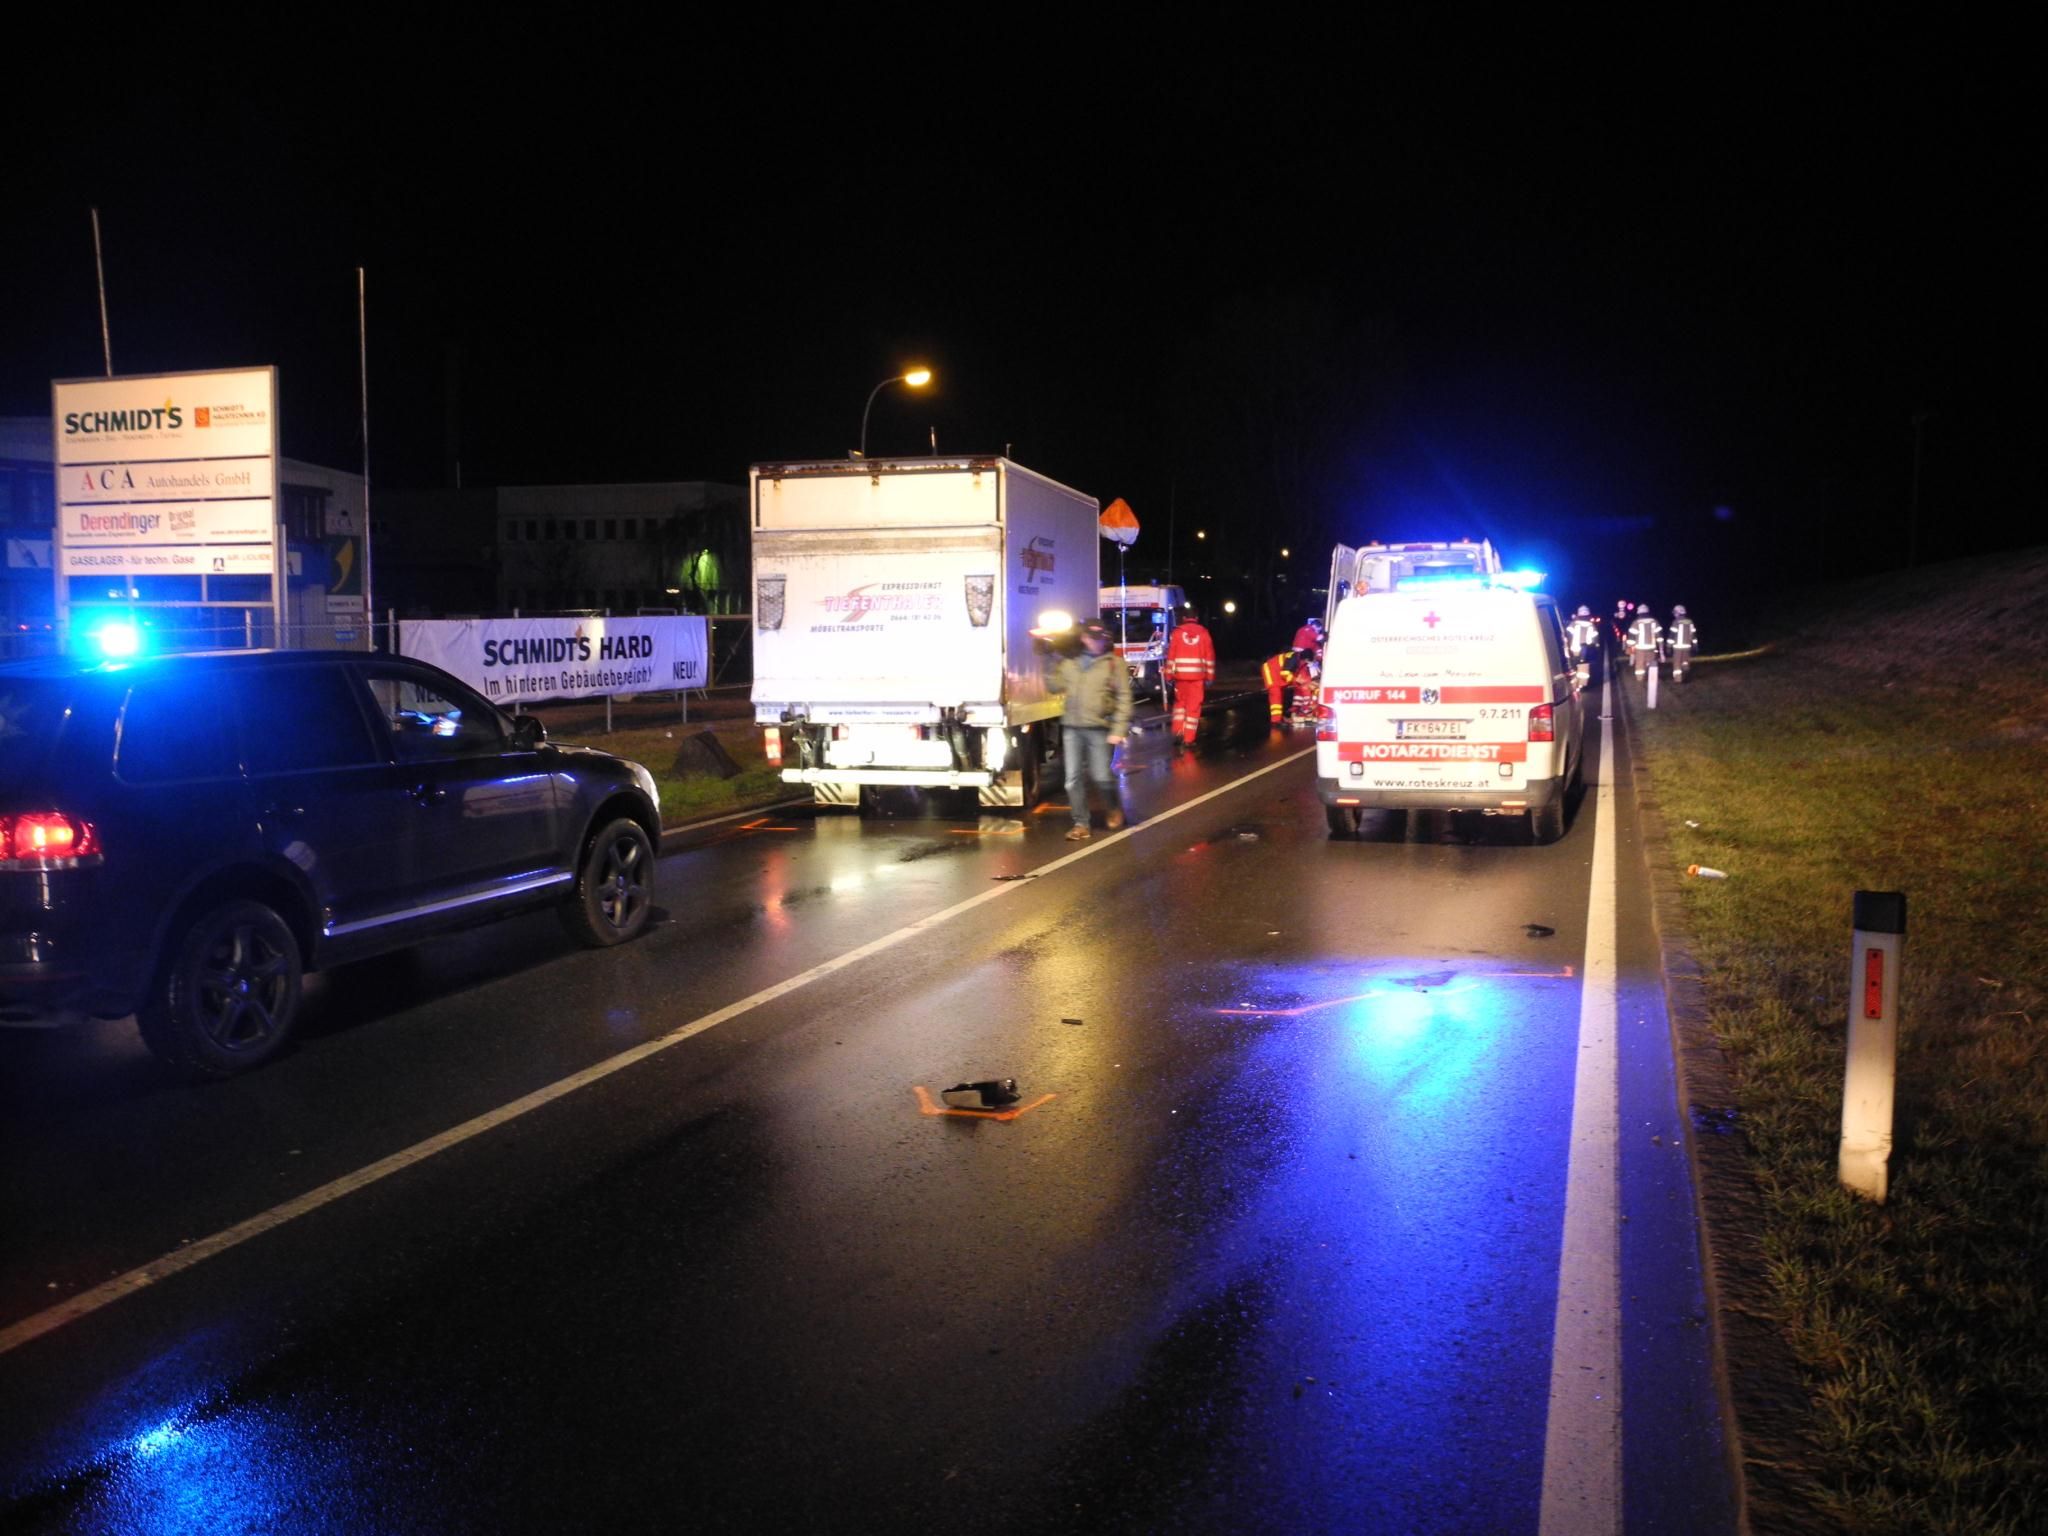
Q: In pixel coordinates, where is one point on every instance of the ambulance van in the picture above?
(1451, 696)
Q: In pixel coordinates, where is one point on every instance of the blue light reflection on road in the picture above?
(1404, 1226)
(267, 1465)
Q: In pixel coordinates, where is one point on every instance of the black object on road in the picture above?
(992, 1093)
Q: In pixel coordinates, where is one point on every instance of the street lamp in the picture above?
(917, 378)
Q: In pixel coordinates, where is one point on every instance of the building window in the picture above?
(590, 527)
(302, 510)
(611, 527)
(632, 527)
(512, 532)
(532, 530)
(553, 532)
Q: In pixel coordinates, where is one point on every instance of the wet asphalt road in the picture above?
(1280, 1254)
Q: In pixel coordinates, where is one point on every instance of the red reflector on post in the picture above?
(771, 743)
(1873, 983)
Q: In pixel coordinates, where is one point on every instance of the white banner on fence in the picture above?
(514, 661)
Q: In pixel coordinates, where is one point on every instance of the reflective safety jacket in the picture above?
(1191, 654)
(1683, 633)
(1276, 673)
(1582, 633)
(1644, 634)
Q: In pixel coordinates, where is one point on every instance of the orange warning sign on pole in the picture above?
(1120, 524)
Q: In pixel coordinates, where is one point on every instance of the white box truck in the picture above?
(894, 607)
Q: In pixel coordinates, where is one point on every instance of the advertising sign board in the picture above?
(166, 474)
(511, 661)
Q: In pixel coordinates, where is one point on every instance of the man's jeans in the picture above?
(1086, 749)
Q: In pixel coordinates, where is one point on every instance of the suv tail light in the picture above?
(1326, 722)
(47, 840)
(1542, 725)
(771, 744)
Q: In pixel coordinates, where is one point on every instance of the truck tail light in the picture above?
(1542, 724)
(771, 745)
(47, 840)
(1326, 722)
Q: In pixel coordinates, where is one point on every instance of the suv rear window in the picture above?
(302, 720)
(176, 728)
(42, 717)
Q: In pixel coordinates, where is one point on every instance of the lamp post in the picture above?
(917, 378)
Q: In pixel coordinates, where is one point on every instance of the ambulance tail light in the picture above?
(1326, 723)
(771, 745)
(47, 840)
(1542, 724)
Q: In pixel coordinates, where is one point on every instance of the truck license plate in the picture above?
(1415, 730)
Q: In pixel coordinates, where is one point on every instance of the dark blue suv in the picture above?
(182, 838)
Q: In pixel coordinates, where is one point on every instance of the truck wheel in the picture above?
(1343, 820)
(229, 992)
(614, 887)
(1546, 822)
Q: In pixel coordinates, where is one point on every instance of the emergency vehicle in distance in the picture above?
(1378, 567)
(895, 605)
(1450, 694)
(1139, 619)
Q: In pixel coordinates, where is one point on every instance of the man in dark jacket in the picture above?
(1095, 719)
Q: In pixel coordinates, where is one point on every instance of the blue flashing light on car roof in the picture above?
(116, 639)
(1522, 580)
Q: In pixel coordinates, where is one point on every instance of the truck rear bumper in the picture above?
(930, 778)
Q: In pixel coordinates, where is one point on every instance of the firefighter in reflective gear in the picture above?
(1277, 674)
(1683, 636)
(1190, 669)
(1622, 610)
(1645, 638)
(1582, 633)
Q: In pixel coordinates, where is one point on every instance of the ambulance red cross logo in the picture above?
(1432, 618)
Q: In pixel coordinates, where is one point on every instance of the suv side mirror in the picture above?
(528, 733)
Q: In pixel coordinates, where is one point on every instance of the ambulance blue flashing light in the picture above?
(116, 639)
(1521, 581)
(1447, 579)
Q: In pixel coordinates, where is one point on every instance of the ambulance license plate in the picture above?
(1415, 730)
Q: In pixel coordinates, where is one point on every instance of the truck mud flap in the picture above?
(842, 795)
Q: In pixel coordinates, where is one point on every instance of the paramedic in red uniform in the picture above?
(1310, 636)
(1190, 668)
(1276, 674)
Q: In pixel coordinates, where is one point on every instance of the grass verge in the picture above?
(1919, 1328)
(688, 795)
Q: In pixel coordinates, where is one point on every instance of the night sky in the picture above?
(1655, 309)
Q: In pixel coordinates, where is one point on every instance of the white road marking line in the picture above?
(1582, 1437)
(186, 1257)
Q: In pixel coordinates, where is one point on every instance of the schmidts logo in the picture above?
(1038, 561)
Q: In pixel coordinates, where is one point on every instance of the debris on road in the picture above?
(1693, 824)
(1070, 1021)
(990, 1093)
(1015, 877)
(1701, 872)
(1538, 930)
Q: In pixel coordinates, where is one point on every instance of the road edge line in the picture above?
(1582, 1422)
